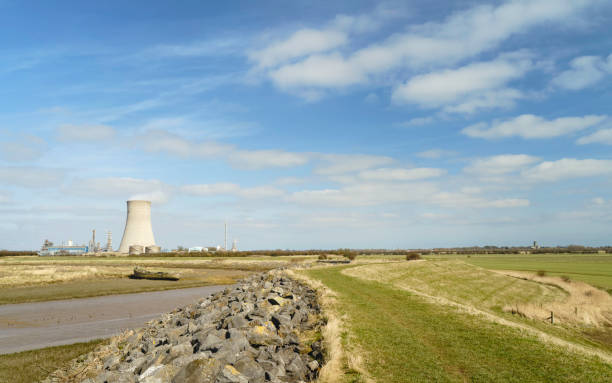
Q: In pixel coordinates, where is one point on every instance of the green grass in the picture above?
(592, 269)
(35, 365)
(406, 339)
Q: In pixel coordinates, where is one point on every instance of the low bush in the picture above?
(413, 256)
(322, 257)
(541, 273)
(350, 256)
(565, 278)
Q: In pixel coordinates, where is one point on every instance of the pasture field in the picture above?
(419, 321)
(590, 268)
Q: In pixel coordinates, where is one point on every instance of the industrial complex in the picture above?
(137, 237)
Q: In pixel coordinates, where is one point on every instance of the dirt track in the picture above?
(29, 326)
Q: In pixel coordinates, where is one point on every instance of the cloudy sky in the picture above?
(308, 124)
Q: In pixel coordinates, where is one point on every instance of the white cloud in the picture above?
(500, 164)
(603, 136)
(85, 133)
(401, 174)
(567, 168)
(300, 43)
(231, 189)
(22, 149)
(122, 187)
(435, 153)
(31, 177)
(529, 126)
(259, 159)
(462, 35)
(584, 71)
(337, 164)
(474, 86)
(211, 189)
(162, 141)
(598, 201)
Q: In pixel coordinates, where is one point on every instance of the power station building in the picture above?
(138, 234)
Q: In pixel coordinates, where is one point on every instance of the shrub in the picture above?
(413, 256)
(565, 278)
(350, 256)
(322, 257)
(541, 273)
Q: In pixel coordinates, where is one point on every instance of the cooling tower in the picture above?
(138, 230)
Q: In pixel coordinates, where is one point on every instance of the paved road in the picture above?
(29, 326)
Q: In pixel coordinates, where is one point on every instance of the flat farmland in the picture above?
(590, 268)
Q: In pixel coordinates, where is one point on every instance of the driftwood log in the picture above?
(140, 273)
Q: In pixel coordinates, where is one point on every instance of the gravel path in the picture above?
(29, 326)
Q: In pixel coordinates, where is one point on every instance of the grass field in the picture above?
(406, 338)
(35, 365)
(593, 269)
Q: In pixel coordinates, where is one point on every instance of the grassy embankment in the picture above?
(34, 279)
(406, 337)
(35, 365)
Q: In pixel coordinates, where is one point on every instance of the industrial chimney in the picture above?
(138, 230)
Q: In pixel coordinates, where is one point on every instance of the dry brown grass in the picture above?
(338, 357)
(584, 304)
(28, 275)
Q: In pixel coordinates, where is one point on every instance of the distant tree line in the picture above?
(9, 253)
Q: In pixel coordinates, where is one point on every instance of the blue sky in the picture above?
(308, 124)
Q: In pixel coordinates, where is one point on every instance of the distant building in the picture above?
(198, 249)
(535, 245)
(49, 248)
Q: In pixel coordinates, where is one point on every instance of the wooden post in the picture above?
(552, 318)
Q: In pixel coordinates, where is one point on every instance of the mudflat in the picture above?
(29, 326)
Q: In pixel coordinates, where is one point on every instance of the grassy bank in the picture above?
(405, 338)
(32, 366)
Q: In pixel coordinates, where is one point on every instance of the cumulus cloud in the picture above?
(380, 193)
(435, 153)
(31, 177)
(165, 142)
(22, 149)
(401, 174)
(462, 35)
(466, 89)
(300, 43)
(500, 164)
(567, 168)
(529, 126)
(603, 136)
(122, 187)
(231, 189)
(335, 164)
(584, 71)
(85, 132)
(260, 159)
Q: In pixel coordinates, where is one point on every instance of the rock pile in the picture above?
(265, 329)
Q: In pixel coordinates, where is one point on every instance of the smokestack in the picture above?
(138, 230)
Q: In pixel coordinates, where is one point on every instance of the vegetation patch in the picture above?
(406, 338)
(35, 365)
